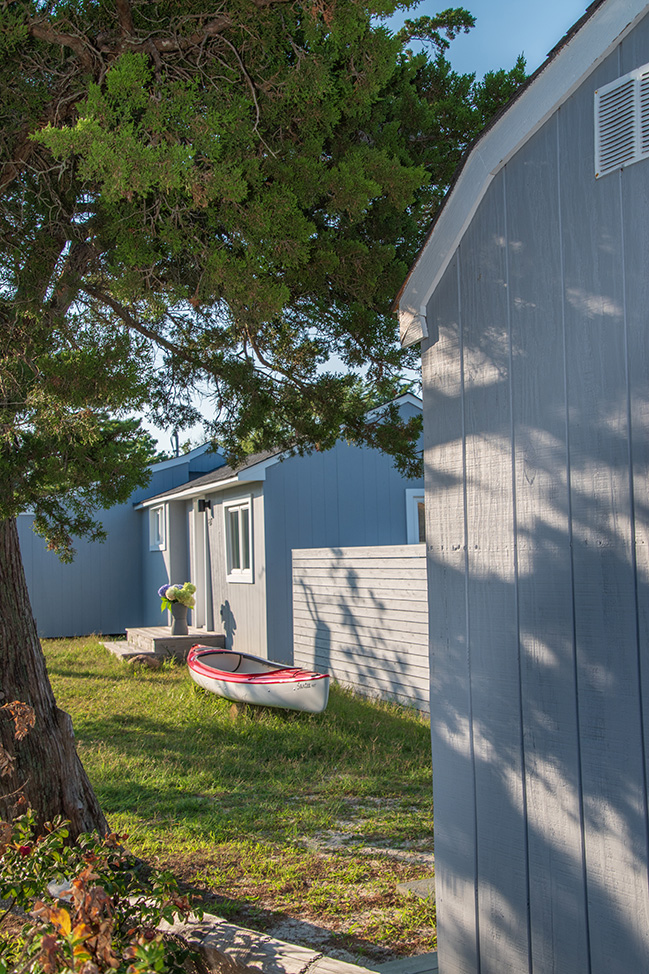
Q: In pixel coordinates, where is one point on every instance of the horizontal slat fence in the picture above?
(361, 614)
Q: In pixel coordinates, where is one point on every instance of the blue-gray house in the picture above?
(231, 532)
(531, 304)
(102, 590)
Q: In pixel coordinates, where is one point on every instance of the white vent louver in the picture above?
(622, 122)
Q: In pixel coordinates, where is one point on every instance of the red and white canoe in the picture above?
(250, 679)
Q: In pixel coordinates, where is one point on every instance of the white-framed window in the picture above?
(238, 540)
(415, 515)
(157, 528)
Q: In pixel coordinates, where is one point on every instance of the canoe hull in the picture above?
(249, 679)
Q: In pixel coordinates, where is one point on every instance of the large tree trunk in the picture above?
(47, 771)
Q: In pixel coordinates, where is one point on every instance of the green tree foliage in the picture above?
(212, 196)
(223, 196)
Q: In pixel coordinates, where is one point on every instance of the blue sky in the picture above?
(506, 28)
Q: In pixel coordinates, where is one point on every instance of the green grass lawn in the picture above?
(289, 822)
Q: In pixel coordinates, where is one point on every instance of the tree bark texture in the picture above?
(47, 774)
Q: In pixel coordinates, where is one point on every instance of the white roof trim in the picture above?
(182, 458)
(253, 474)
(201, 490)
(556, 82)
(406, 399)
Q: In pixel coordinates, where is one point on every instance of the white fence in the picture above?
(361, 614)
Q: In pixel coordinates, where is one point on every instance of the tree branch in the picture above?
(170, 45)
(132, 322)
(166, 45)
(22, 154)
(59, 109)
(289, 376)
(260, 4)
(125, 17)
(248, 79)
(79, 45)
(83, 49)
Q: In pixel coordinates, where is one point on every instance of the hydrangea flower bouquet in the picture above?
(184, 594)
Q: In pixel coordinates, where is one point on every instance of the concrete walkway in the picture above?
(421, 964)
(226, 947)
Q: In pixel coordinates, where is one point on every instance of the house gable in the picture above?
(589, 43)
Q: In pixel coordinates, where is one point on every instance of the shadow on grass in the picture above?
(181, 771)
(256, 771)
(77, 673)
(159, 748)
(257, 909)
(278, 924)
(347, 724)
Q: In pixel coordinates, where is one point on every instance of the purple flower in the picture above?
(184, 594)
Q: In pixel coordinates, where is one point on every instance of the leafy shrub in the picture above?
(90, 908)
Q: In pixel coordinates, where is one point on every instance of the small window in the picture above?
(622, 122)
(157, 533)
(238, 540)
(415, 516)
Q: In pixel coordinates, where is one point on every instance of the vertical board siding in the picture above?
(493, 643)
(99, 592)
(114, 584)
(635, 244)
(636, 247)
(361, 614)
(544, 578)
(609, 707)
(536, 422)
(239, 608)
(154, 573)
(451, 728)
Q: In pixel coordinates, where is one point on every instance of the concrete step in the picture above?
(157, 641)
(123, 649)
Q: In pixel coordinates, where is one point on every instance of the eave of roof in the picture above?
(568, 64)
(251, 471)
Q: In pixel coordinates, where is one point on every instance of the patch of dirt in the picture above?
(302, 897)
(13, 924)
(409, 852)
(350, 828)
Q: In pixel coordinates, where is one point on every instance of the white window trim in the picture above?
(158, 528)
(413, 496)
(245, 575)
